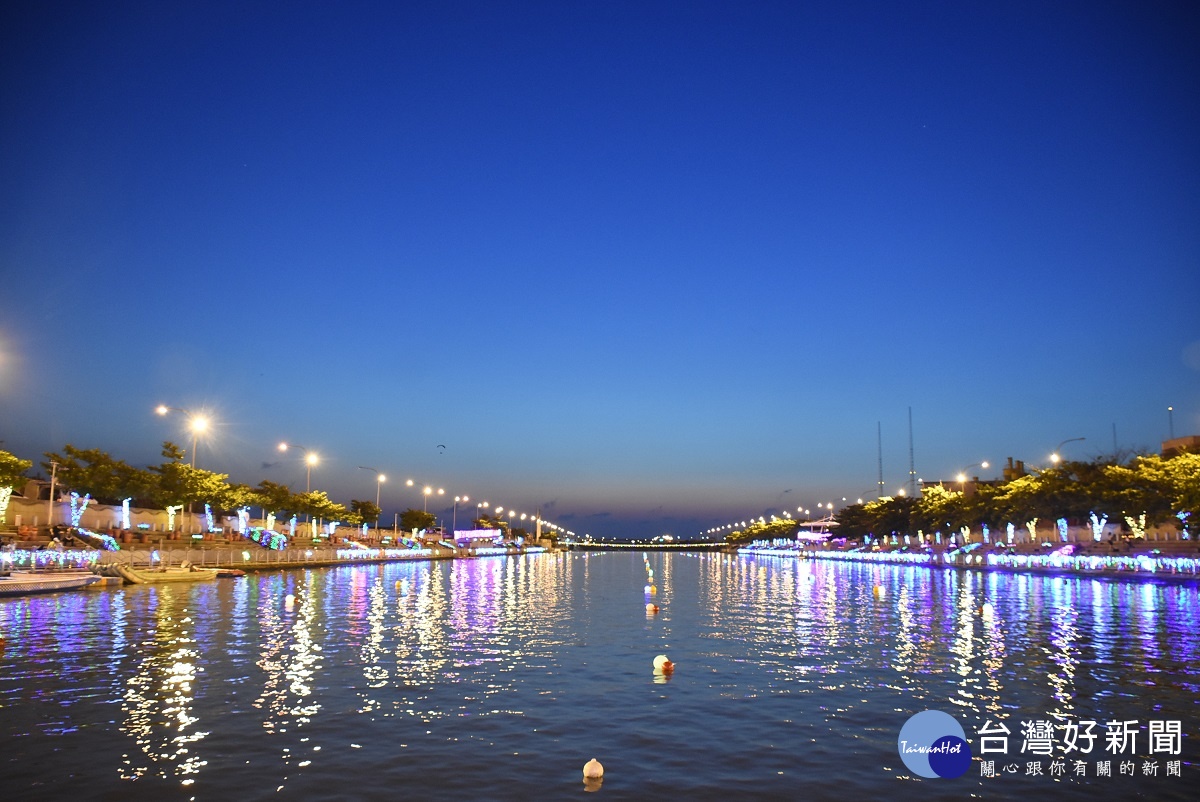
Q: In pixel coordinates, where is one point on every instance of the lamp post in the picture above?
(197, 423)
(1171, 423)
(1055, 458)
(379, 480)
(310, 459)
(962, 475)
(454, 517)
(426, 492)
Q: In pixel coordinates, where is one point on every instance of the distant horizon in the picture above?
(651, 267)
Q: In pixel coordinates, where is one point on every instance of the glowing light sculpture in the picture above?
(208, 516)
(1062, 529)
(1137, 526)
(77, 508)
(171, 512)
(1031, 527)
(1098, 526)
(5, 495)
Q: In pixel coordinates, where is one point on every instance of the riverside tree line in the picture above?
(1138, 493)
(175, 483)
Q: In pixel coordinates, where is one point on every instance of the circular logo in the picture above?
(932, 744)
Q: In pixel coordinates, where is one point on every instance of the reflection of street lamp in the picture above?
(310, 459)
(379, 480)
(197, 423)
(1055, 458)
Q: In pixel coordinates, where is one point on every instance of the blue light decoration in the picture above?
(46, 558)
(1098, 527)
(267, 538)
(105, 542)
(208, 516)
(364, 530)
(77, 508)
(292, 527)
(1062, 529)
(1183, 518)
(987, 535)
(243, 514)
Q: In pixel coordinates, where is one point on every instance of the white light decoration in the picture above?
(171, 511)
(271, 521)
(1098, 527)
(1031, 526)
(5, 495)
(208, 517)
(1012, 530)
(77, 508)
(987, 535)
(243, 519)
(125, 514)
(1138, 526)
(966, 533)
(1182, 516)
(292, 527)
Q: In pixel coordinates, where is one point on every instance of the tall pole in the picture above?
(879, 446)
(1171, 422)
(50, 512)
(912, 469)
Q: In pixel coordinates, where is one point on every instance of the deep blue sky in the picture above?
(653, 266)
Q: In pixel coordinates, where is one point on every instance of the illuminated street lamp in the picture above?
(427, 491)
(379, 480)
(197, 423)
(310, 459)
(454, 516)
(1055, 458)
(962, 475)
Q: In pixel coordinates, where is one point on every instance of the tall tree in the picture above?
(12, 469)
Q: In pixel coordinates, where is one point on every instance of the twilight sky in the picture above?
(652, 266)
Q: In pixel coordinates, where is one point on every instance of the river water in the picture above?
(498, 678)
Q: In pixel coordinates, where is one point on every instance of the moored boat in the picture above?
(151, 576)
(23, 583)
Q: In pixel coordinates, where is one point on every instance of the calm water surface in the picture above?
(498, 678)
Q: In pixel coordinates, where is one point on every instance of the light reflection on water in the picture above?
(500, 677)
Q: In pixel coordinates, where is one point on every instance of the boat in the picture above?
(23, 583)
(152, 576)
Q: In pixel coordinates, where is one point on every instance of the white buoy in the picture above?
(592, 770)
(663, 664)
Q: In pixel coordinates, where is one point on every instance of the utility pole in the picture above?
(912, 470)
(879, 447)
(50, 516)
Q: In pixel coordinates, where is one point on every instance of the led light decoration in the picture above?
(77, 507)
(1062, 529)
(987, 535)
(1012, 531)
(125, 514)
(292, 527)
(208, 516)
(243, 519)
(271, 520)
(171, 511)
(1183, 519)
(1031, 526)
(364, 530)
(1098, 526)
(5, 495)
(965, 531)
(1137, 526)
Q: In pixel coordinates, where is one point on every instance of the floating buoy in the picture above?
(650, 608)
(663, 665)
(879, 591)
(289, 600)
(652, 590)
(987, 610)
(650, 573)
(592, 770)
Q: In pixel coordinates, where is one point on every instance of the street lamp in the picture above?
(310, 459)
(379, 480)
(197, 423)
(454, 517)
(427, 491)
(962, 475)
(1055, 458)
